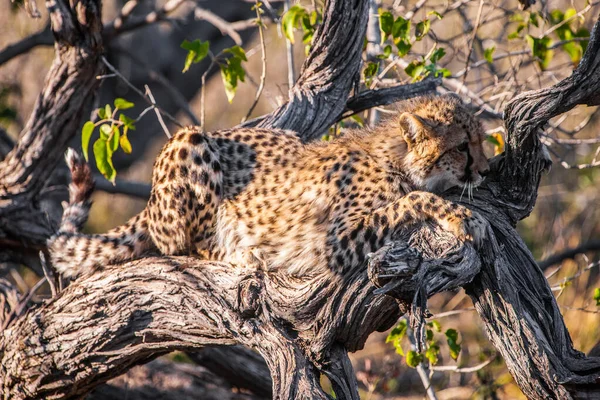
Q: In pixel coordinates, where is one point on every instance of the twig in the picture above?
(453, 312)
(160, 119)
(592, 245)
(225, 27)
(465, 370)
(177, 97)
(114, 28)
(263, 76)
(290, 53)
(567, 20)
(31, 8)
(128, 188)
(43, 37)
(16, 313)
(47, 274)
(139, 92)
(373, 48)
(477, 22)
(422, 368)
(124, 14)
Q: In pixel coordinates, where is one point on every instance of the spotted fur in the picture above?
(261, 198)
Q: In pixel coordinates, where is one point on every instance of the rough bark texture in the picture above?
(70, 83)
(125, 315)
(168, 381)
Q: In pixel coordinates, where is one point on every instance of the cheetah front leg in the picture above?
(418, 206)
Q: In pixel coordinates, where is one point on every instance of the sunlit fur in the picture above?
(424, 139)
(261, 198)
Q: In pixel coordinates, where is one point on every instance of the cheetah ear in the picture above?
(413, 127)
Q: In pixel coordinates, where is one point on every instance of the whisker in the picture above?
(463, 191)
(471, 191)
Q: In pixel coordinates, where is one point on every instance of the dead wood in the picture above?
(125, 315)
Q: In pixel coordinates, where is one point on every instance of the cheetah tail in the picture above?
(73, 253)
(82, 185)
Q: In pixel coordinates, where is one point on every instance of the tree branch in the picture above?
(592, 245)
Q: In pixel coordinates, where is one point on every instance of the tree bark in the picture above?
(70, 84)
(125, 315)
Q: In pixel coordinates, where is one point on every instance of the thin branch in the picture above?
(156, 76)
(461, 370)
(156, 110)
(291, 74)
(225, 27)
(115, 28)
(569, 254)
(263, 76)
(422, 368)
(128, 188)
(43, 37)
(48, 274)
(141, 94)
(473, 37)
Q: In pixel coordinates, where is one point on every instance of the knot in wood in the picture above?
(249, 291)
(392, 269)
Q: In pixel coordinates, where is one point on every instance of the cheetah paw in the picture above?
(471, 228)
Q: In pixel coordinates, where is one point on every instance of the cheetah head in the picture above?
(444, 144)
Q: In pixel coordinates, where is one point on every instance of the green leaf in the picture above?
(197, 51)
(370, 71)
(583, 33)
(237, 52)
(358, 120)
(113, 142)
(290, 20)
(86, 134)
(105, 131)
(231, 73)
(415, 69)
(403, 47)
(125, 144)
(429, 334)
(432, 354)
(413, 359)
(127, 122)
(437, 55)
(422, 28)
(435, 324)
(488, 54)
(386, 23)
(570, 13)
(401, 29)
(539, 48)
(107, 111)
(101, 113)
(452, 338)
(315, 18)
(556, 16)
(104, 160)
(437, 14)
(387, 51)
(516, 34)
(533, 19)
(492, 139)
(123, 104)
(597, 296)
(398, 332)
(516, 18)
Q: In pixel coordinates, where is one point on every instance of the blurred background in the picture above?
(488, 52)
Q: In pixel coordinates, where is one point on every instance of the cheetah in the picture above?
(261, 197)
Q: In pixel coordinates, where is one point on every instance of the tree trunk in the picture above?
(124, 315)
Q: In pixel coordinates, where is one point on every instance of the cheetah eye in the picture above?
(463, 146)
